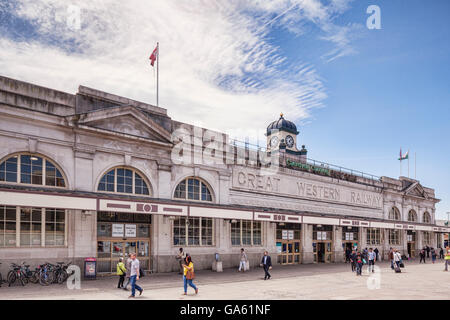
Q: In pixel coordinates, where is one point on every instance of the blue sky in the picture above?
(356, 95)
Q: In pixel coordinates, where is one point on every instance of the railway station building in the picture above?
(93, 174)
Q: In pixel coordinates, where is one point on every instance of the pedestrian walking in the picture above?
(422, 256)
(433, 255)
(427, 249)
(441, 253)
(447, 258)
(121, 271)
(371, 257)
(180, 257)
(353, 260)
(134, 276)
(397, 259)
(359, 264)
(243, 260)
(376, 252)
(188, 274)
(128, 269)
(266, 263)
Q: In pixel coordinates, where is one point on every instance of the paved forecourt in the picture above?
(334, 281)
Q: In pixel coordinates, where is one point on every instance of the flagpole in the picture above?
(157, 74)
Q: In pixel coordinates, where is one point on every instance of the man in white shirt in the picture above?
(371, 255)
(134, 275)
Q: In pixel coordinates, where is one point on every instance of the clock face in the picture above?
(274, 141)
(289, 141)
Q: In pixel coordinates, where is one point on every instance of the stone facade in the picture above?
(89, 133)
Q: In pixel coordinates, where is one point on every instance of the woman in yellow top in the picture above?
(447, 258)
(188, 266)
(121, 273)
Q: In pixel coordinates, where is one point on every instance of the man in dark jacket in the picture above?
(266, 263)
(428, 251)
(376, 252)
(422, 256)
(353, 260)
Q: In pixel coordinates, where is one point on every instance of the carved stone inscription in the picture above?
(244, 178)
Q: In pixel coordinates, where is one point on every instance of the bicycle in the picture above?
(15, 274)
(46, 274)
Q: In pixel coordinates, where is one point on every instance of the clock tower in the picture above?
(282, 135)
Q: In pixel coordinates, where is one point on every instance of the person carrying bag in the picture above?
(188, 274)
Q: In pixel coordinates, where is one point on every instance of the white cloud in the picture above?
(217, 67)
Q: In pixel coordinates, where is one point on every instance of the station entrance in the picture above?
(323, 244)
(288, 243)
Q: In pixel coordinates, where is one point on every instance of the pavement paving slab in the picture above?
(293, 282)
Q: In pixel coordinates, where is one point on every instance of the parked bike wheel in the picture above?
(34, 278)
(44, 279)
(11, 277)
(62, 276)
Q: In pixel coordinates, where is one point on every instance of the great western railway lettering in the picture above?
(366, 199)
(278, 184)
(316, 191)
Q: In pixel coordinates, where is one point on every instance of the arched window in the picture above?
(394, 214)
(193, 189)
(412, 216)
(123, 180)
(31, 169)
(426, 218)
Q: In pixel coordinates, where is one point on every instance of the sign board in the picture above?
(130, 231)
(290, 234)
(349, 236)
(117, 230)
(90, 268)
(278, 247)
(284, 234)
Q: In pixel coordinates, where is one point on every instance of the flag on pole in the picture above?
(405, 156)
(153, 56)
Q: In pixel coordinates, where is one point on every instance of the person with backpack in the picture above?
(121, 271)
(188, 274)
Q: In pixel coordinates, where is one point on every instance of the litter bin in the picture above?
(217, 264)
(90, 268)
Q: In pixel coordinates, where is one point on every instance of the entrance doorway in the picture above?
(349, 246)
(323, 244)
(288, 243)
(290, 252)
(411, 237)
(118, 235)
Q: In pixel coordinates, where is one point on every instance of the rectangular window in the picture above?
(30, 227)
(427, 238)
(373, 236)
(7, 226)
(197, 231)
(246, 233)
(54, 227)
(394, 237)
